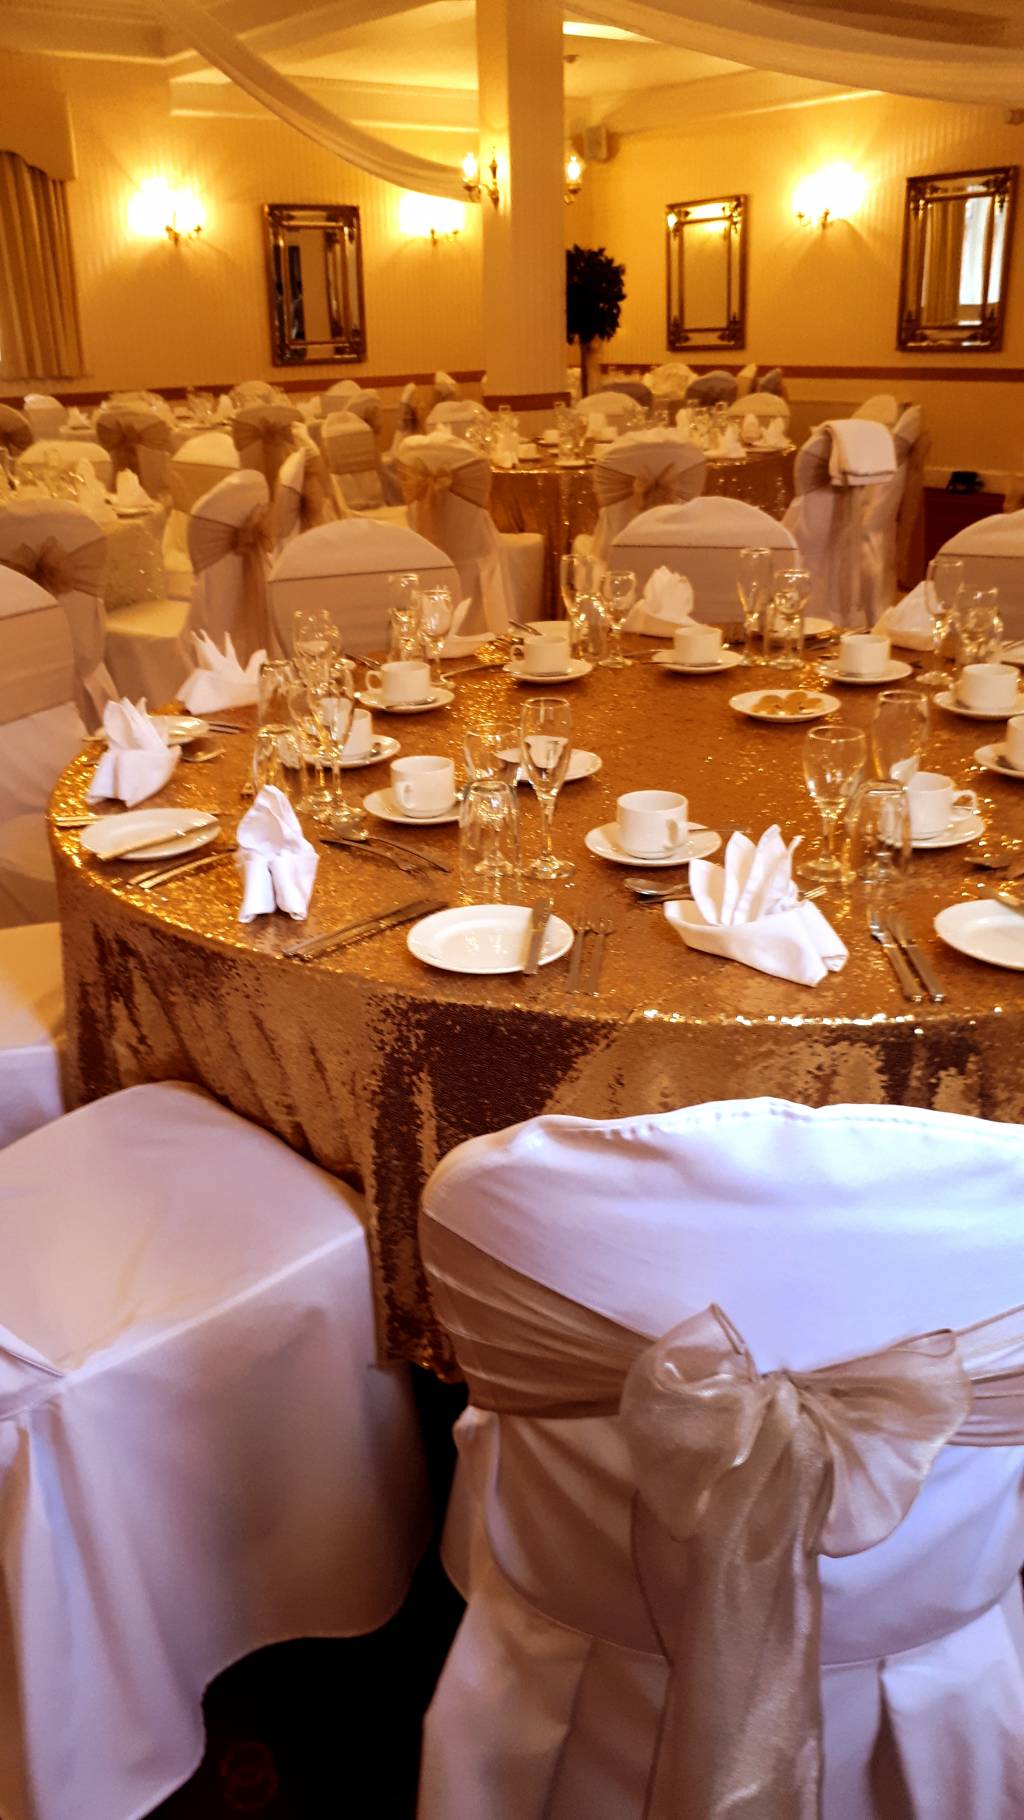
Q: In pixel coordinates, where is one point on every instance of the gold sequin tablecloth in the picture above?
(376, 1066)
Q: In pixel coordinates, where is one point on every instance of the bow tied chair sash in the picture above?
(123, 437)
(63, 573)
(263, 443)
(15, 431)
(741, 1480)
(669, 484)
(211, 540)
(59, 570)
(427, 487)
(315, 502)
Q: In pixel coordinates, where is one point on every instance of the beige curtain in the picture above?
(944, 248)
(40, 335)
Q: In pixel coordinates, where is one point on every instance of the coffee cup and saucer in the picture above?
(697, 650)
(422, 791)
(545, 656)
(403, 687)
(1006, 758)
(940, 814)
(865, 658)
(652, 828)
(984, 692)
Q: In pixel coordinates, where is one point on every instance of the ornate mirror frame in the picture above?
(329, 323)
(947, 321)
(684, 222)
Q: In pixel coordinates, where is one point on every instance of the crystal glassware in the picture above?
(276, 680)
(755, 578)
(547, 748)
(334, 709)
(488, 840)
(436, 611)
(574, 584)
(618, 593)
(978, 625)
(277, 760)
(945, 578)
(880, 838)
(834, 760)
(491, 753)
(403, 588)
(784, 628)
(316, 642)
(899, 733)
(316, 798)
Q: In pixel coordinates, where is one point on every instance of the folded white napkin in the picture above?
(77, 418)
(751, 913)
(666, 602)
(729, 442)
(775, 433)
(218, 680)
(278, 864)
(908, 622)
(458, 642)
(130, 490)
(138, 760)
(750, 428)
(862, 453)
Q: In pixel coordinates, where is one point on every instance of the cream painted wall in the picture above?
(820, 299)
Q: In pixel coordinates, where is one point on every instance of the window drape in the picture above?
(40, 334)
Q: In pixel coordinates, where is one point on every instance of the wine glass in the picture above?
(403, 586)
(945, 578)
(574, 587)
(979, 627)
(881, 835)
(436, 611)
(834, 760)
(618, 592)
(334, 708)
(784, 628)
(899, 733)
(547, 748)
(754, 582)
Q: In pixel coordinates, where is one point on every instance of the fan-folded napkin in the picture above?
(729, 441)
(278, 864)
(752, 913)
(76, 419)
(458, 642)
(908, 622)
(775, 434)
(750, 428)
(666, 602)
(138, 760)
(218, 680)
(130, 491)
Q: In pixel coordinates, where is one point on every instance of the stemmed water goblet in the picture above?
(618, 593)
(574, 587)
(436, 611)
(899, 733)
(403, 587)
(945, 577)
(333, 709)
(834, 760)
(755, 576)
(316, 642)
(547, 748)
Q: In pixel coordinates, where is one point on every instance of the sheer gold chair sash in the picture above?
(59, 570)
(123, 437)
(426, 487)
(316, 502)
(263, 443)
(669, 484)
(15, 430)
(742, 1479)
(210, 540)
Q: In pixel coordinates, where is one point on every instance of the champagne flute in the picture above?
(547, 748)
(834, 760)
(436, 611)
(403, 587)
(334, 708)
(302, 702)
(945, 578)
(618, 592)
(899, 733)
(754, 582)
(574, 587)
(316, 642)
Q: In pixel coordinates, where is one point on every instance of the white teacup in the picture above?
(934, 802)
(697, 644)
(863, 654)
(423, 786)
(990, 687)
(551, 628)
(360, 734)
(405, 680)
(651, 823)
(1014, 746)
(545, 656)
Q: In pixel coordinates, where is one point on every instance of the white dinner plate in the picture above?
(382, 804)
(946, 699)
(994, 759)
(964, 827)
(578, 666)
(986, 930)
(667, 660)
(894, 669)
(144, 825)
(1012, 652)
(604, 841)
(438, 698)
(581, 764)
(181, 729)
(484, 938)
(746, 704)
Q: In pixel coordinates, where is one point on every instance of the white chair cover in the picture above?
(447, 486)
(888, 518)
(762, 405)
(458, 415)
(66, 456)
(408, 421)
(63, 549)
(336, 396)
(670, 378)
(198, 1454)
(716, 387)
(252, 391)
(616, 407)
(228, 545)
(642, 470)
(350, 451)
(199, 464)
(633, 388)
(137, 437)
(772, 381)
(31, 1029)
(344, 568)
(45, 413)
(881, 407)
(745, 379)
(556, 1251)
(832, 473)
(992, 551)
(701, 540)
(264, 434)
(303, 499)
(16, 432)
(365, 405)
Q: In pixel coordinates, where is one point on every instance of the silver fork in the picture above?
(602, 930)
(880, 932)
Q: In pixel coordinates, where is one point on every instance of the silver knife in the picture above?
(540, 916)
(311, 948)
(165, 875)
(921, 964)
(572, 984)
(377, 841)
(908, 984)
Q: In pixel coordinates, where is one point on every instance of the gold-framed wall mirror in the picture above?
(957, 233)
(706, 272)
(314, 282)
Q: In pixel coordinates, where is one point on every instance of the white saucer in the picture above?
(604, 841)
(667, 660)
(382, 804)
(894, 669)
(578, 666)
(439, 698)
(946, 699)
(1012, 652)
(744, 704)
(581, 764)
(819, 628)
(989, 756)
(381, 748)
(144, 825)
(985, 930)
(960, 830)
(484, 938)
(181, 729)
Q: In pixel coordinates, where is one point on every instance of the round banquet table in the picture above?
(376, 1065)
(557, 498)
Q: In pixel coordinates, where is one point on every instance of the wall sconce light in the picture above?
(672, 222)
(471, 181)
(157, 209)
(432, 218)
(574, 168)
(833, 194)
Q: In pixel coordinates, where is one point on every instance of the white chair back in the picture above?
(408, 421)
(199, 464)
(716, 387)
(350, 452)
(344, 568)
(64, 550)
(762, 405)
(365, 405)
(303, 499)
(264, 434)
(139, 438)
(65, 456)
(617, 408)
(447, 486)
(745, 379)
(701, 540)
(45, 413)
(557, 1252)
(640, 393)
(252, 391)
(881, 407)
(336, 396)
(228, 546)
(832, 474)
(642, 470)
(889, 515)
(992, 552)
(458, 415)
(40, 726)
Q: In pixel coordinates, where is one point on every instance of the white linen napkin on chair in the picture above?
(130, 490)
(138, 760)
(278, 864)
(908, 622)
(218, 680)
(666, 602)
(862, 453)
(751, 912)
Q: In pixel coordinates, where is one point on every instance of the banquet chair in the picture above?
(264, 434)
(642, 470)
(45, 413)
(41, 730)
(992, 552)
(229, 536)
(49, 454)
(701, 540)
(618, 409)
(196, 467)
(447, 486)
(16, 433)
(199, 1455)
(364, 403)
(716, 387)
(350, 451)
(336, 396)
(745, 379)
(889, 515)
(408, 423)
(633, 388)
(881, 407)
(762, 405)
(303, 500)
(31, 1028)
(344, 568)
(656, 1526)
(137, 437)
(60, 546)
(458, 415)
(834, 474)
(772, 381)
(252, 391)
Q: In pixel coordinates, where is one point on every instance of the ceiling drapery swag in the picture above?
(766, 34)
(290, 103)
